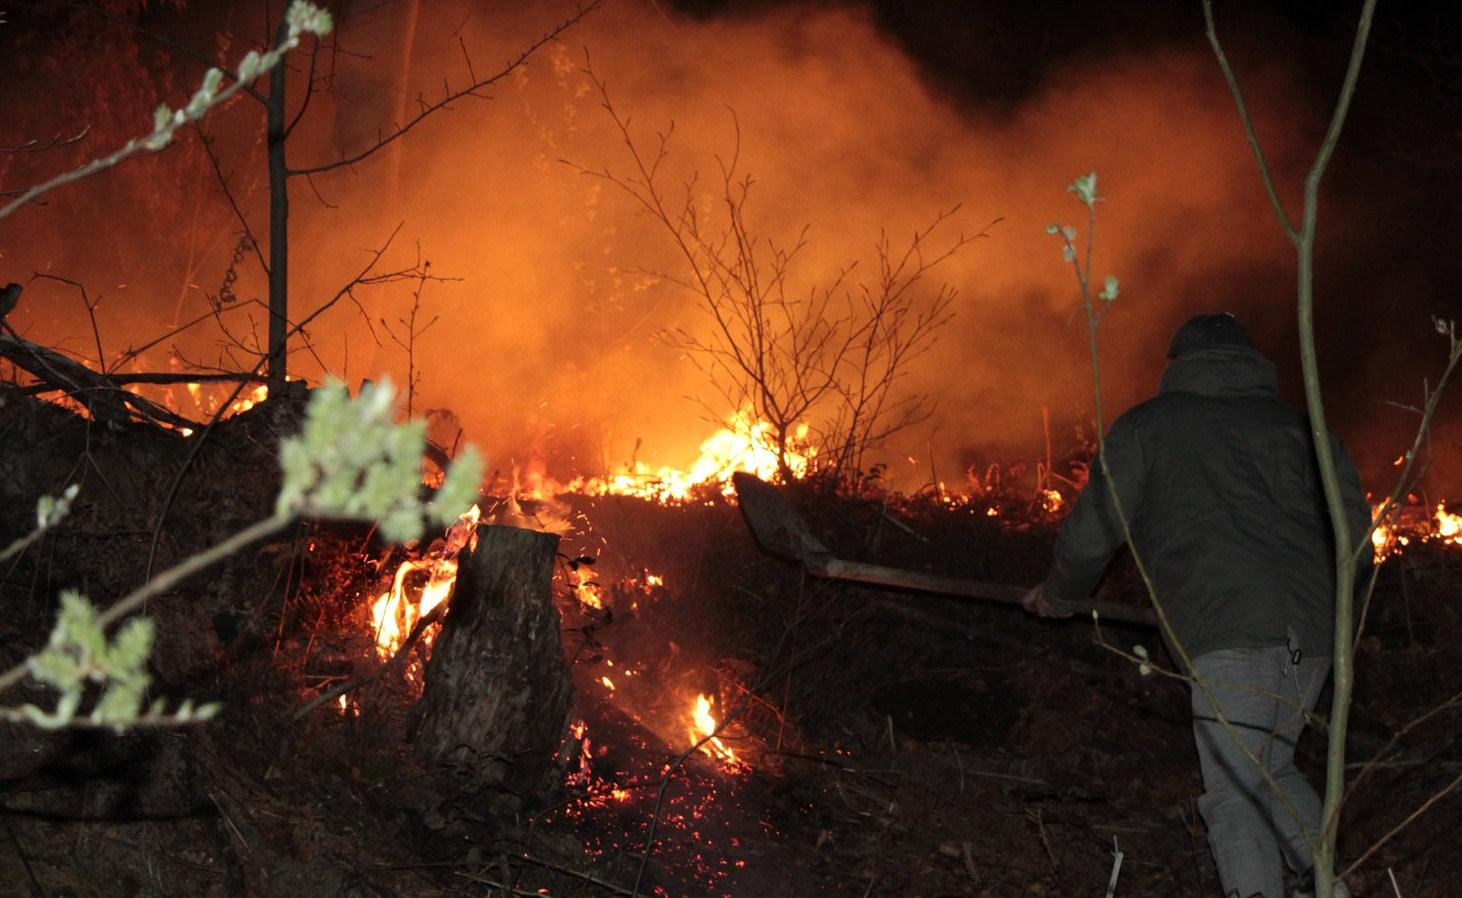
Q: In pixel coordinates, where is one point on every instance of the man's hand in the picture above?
(1035, 602)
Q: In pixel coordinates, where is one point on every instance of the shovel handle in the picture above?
(879, 575)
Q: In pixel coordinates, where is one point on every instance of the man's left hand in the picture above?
(1035, 602)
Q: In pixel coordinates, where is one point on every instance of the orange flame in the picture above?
(1412, 524)
(703, 731)
(744, 444)
(244, 403)
(1448, 525)
(395, 613)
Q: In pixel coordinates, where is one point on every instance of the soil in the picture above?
(886, 743)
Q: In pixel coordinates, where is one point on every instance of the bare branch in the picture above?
(34, 145)
(450, 96)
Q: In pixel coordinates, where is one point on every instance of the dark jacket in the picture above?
(1218, 481)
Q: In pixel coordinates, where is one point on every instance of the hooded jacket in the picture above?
(1218, 481)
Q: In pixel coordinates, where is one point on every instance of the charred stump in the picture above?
(497, 689)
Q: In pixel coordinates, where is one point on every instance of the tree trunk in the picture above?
(498, 694)
(278, 225)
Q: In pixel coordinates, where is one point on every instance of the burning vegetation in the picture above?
(732, 723)
(595, 682)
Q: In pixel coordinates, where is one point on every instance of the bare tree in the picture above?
(828, 358)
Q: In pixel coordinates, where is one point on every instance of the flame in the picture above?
(703, 731)
(244, 403)
(395, 613)
(1449, 526)
(746, 443)
(1412, 524)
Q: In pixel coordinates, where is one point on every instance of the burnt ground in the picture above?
(889, 744)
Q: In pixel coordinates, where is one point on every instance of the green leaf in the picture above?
(121, 702)
(128, 653)
(459, 487)
(1085, 188)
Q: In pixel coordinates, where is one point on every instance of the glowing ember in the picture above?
(703, 732)
(395, 612)
(608, 683)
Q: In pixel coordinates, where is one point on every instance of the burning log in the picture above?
(497, 690)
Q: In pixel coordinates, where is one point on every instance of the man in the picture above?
(1218, 483)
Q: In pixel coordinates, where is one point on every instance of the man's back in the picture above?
(1219, 484)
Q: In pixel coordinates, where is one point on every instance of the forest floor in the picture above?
(886, 743)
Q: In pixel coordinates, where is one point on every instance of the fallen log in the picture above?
(497, 690)
(103, 396)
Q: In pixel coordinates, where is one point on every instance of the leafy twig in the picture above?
(302, 17)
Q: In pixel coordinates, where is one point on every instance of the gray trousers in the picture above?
(1253, 831)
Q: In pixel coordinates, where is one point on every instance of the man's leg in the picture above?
(1298, 823)
(1235, 804)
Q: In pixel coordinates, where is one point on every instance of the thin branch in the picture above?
(161, 135)
(170, 578)
(228, 194)
(451, 96)
(1211, 31)
(34, 145)
(1395, 830)
(201, 435)
(309, 91)
(190, 52)
(158, 378)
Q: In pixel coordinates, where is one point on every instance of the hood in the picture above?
(1229, 371)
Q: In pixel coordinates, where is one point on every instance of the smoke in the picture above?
(547, 341)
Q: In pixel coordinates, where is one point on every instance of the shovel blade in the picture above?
(774, 522)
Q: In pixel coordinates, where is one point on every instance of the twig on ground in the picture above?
(1116, 868)
(1036, 817)
(1423, 808)
(501, 886)
(397, 661)
(969, 858)
(586, 877)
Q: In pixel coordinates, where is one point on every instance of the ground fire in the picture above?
(685, 242)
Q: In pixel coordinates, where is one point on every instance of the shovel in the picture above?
(781, 531)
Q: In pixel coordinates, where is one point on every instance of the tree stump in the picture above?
(497, 690)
